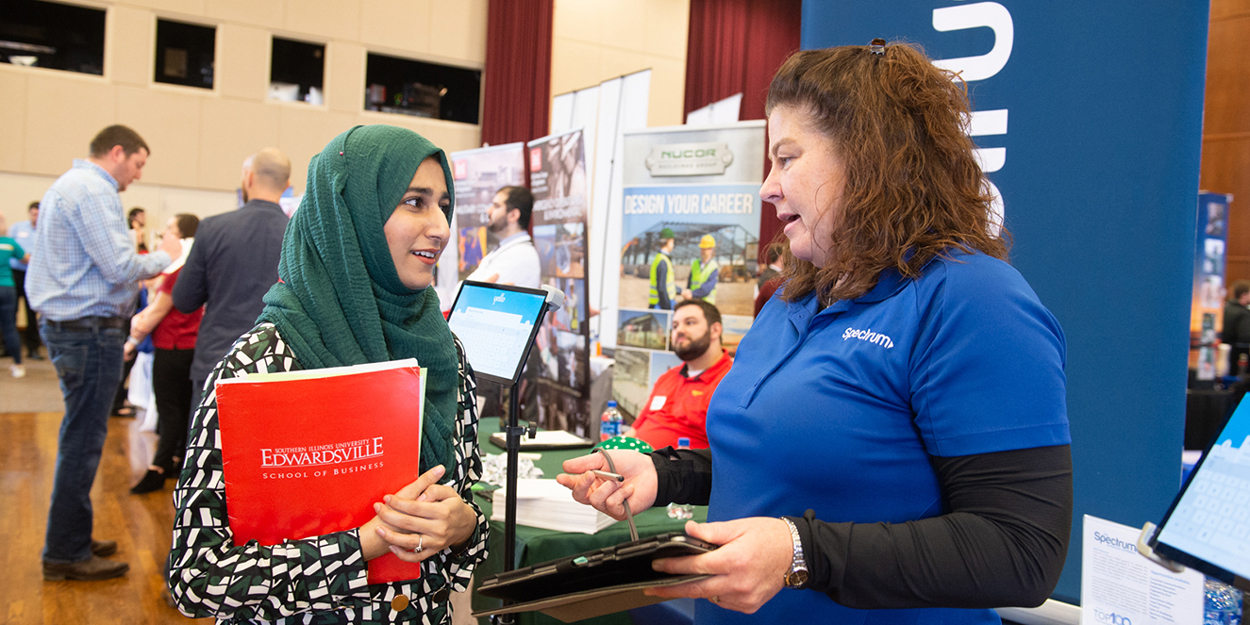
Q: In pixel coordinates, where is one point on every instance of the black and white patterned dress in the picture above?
(318, 580)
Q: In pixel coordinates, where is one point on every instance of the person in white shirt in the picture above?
(515, 261)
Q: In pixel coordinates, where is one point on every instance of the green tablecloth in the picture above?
(535, 545)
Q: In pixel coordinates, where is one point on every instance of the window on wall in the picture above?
(184, 53)
(52, 35)
(296, 71)
(408, 87)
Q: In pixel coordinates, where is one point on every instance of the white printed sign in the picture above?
(1119, 586)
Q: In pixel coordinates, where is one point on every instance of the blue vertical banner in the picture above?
(1088, 115)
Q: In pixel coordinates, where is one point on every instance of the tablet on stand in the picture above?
(1208, 525)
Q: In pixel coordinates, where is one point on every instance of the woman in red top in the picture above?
(173, 335)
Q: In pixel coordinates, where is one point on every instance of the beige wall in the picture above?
(200, 137)
(596, 40)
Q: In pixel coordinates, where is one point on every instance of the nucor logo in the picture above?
(689, 153)
(689, 159)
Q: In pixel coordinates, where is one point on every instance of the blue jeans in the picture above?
(8, 323)
(89, 365)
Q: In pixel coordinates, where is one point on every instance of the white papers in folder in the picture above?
(546, 504)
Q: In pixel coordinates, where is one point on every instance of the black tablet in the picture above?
(595, 582)
(496, 324)
(1208, 526)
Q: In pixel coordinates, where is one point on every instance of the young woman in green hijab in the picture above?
(357, 259)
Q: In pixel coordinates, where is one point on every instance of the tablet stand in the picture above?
(1144, 548)
(512, 434)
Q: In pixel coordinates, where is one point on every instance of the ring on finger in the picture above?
(420, 544)
(714, 599)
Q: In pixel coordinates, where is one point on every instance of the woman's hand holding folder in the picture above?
(420, 520)
(747, 569)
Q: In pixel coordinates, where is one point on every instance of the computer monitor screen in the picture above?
(1208, 526)
(495, 324)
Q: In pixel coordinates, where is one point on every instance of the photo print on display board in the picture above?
(561, 249)
(557, 170)
(479, 174)
(631, 379)
(648, 329)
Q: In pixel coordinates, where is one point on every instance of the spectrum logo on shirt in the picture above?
(876, 338)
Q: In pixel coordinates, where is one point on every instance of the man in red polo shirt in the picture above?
(677, 407)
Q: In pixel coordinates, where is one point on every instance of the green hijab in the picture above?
(339, 300)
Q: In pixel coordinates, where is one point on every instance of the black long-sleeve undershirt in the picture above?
(1002, 543)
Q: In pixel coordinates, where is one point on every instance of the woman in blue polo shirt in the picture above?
(892, 443)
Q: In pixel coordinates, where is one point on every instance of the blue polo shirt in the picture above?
(839, 409)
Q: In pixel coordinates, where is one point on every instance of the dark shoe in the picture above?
(103, 548)
(152, 481)
(89, 570)
(34, 355)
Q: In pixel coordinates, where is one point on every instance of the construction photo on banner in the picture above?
(690, 229)
(479, 175)
(557, 168)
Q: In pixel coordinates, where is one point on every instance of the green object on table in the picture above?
(535, 545)
(626, 442)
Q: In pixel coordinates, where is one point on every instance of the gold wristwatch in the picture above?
(797, 575)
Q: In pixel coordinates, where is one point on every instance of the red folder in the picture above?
(307, 453)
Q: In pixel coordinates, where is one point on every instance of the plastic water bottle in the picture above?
(618, 420)
(611, 423)
(681, 510)
(1222, 605)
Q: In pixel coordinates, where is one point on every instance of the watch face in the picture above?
(796, 578)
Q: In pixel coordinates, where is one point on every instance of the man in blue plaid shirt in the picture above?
(83, 280)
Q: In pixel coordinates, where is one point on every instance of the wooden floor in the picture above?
(141, 524)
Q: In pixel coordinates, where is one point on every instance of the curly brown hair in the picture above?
(913, 189)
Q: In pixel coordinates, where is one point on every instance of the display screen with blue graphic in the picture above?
(495, 324)
(1208, 527)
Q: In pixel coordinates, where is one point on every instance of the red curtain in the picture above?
(736, 46)
(518, 70)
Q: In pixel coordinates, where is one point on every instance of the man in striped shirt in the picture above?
(84, 282)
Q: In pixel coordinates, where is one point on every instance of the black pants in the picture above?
(197, 395)
(30, 336)
(119, 398)
(171, 370)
